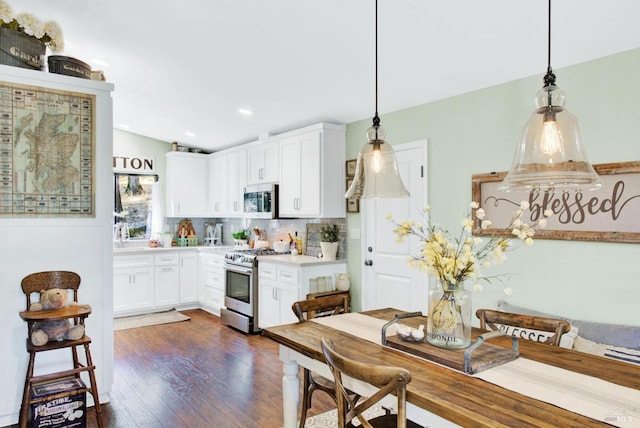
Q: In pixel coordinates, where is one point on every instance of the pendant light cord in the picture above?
(549, 78)
(376, 119)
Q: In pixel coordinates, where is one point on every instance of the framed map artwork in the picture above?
(47, 152)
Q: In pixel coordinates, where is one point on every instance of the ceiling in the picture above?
(189, 65)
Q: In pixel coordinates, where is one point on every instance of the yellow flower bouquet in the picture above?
(454, 260)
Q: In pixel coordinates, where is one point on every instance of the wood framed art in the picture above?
(47, 157)
(350, 167)
(353, 205)
(608, 214)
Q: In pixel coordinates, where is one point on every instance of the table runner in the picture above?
(586, 395)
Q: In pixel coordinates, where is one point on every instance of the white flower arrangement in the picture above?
(48, 33)
(455, 260)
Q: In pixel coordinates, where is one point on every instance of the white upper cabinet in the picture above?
(227, 182)
(186, 185)
(218, 197)
(262, 162)
(237, 182)
(312, 178)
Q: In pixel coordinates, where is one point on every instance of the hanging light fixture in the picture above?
(376, 174)
(550, 154)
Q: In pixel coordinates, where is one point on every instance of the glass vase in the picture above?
(449, 322)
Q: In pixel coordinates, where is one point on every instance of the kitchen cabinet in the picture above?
(217, 200)
(133, 290)
(274, 297)
(212, 282)
(280, 284)
(227, 182)
(186, 186)
(167, 278)
(188, 277)
(312, 177)
(262, 162)
(237, 182)
(152, 280)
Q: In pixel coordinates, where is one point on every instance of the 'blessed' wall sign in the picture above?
(609, 214)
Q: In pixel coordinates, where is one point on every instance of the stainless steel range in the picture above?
(241, 289)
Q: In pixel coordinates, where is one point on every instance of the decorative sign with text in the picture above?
(609, 214)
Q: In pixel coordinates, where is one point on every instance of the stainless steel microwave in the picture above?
(261, 201)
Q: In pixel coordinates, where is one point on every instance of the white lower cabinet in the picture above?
(280, 285)
(145, 283)
(188, 277)
(167, 278)
(211, 282)
(275, 302)
(133, 289)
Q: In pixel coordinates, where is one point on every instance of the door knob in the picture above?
(368, 262)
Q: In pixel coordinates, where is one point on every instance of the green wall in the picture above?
(477, 132)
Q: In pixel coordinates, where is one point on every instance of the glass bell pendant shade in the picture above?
(377, 174)
(551, 153)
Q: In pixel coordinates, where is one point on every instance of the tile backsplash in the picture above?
(272, 228)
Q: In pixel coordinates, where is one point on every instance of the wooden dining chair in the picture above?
(492, 320)
(305, 310)
(70, 281)
(389, 380)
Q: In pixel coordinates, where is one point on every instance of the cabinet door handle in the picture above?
(134, 278)
(178, 206)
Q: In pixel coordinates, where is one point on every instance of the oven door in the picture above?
(239, 290)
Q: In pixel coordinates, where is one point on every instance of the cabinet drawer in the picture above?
(215, 280)
(132, 261)
(166, 259)
(213, 261)
(288, 276)
(214, 297)
(267, 271)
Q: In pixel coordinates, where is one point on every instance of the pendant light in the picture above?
(376, 174)
(550, 154)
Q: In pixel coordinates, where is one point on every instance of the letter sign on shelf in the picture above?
(134, 165)
(609, 214)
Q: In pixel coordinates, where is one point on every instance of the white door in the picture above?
(387, 280)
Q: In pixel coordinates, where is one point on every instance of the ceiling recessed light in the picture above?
(189, 134)
(245, 111)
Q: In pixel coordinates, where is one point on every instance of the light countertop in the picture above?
(300, 260)
(214, 249)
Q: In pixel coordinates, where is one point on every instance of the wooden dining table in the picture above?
(435, 389)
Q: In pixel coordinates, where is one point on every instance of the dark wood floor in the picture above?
(196, 373)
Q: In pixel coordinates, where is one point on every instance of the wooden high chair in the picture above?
(34, 283)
